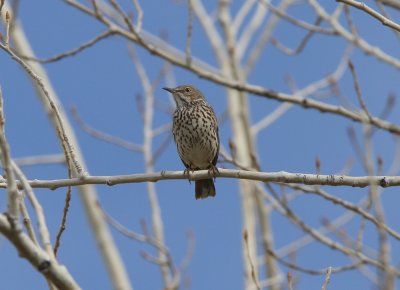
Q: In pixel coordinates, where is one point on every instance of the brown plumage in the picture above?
(195, 130)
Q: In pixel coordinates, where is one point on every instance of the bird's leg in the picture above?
(187, 171)
(213, 170)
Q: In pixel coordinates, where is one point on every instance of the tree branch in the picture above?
(55, 272)
(362, 6)
(279, 177)
(203, 70)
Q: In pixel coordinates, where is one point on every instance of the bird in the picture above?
(195, 130)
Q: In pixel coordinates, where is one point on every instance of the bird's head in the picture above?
(185, 94)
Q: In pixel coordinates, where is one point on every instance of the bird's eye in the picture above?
(188, 90)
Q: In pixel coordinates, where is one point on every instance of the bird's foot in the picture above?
(187, 172)
(213, 171)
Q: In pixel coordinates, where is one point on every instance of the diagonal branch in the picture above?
(362, 6)
(27, 249)
(210, 73)
(72, 52)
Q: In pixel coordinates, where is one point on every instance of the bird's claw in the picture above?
(186, 172)
(213, 171)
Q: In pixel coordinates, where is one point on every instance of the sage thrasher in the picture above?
(195, 131)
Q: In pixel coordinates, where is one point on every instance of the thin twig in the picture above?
(316, 272)
(327, 278)
(60, 127)
(13, 195)
(104, 136)
(74, 51)
(383, 11)
(334, 245)
(297, 22)
(270, 118)
(252, 269)
(349, 206)
(184, 264)
(358, 90)
(290, 280)
(63, 220)
(301, 45)
(125, 17)
(350, 21)
(391, 3)
(189, 33)
(357, 147)
(139, 17)
(161, 148)
(362, 6)
(143, 238)
(163, 261)
(27, 221)
(8, 20)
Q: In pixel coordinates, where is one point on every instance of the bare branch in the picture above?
(39, 259)
(253, 273)
(328, 242)
(242, 14)
(8, 20)
(40, 160)
(351, 38)
(74, 51)
(358, 90)
(104, 136)
(1, 4)
(212, 75)
(327, 278)
(189, 33)
(12, 190)
(157, 222)
(60, 127)
(279, 177)
(350, 206)
(140, 15)
(318, 272)
(290, 280)
(392, 3)
(301, 45)
(297, 22)
(362, 6)
(107, 247)
(247, 36)
(63, 220)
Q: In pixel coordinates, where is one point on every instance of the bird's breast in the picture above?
(196, 137)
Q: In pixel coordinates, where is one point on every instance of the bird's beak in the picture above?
(169, 90)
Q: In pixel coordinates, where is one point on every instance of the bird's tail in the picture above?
(205, 188)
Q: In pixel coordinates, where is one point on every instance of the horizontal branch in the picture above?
(280, 177)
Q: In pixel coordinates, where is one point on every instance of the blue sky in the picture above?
(102, 84)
